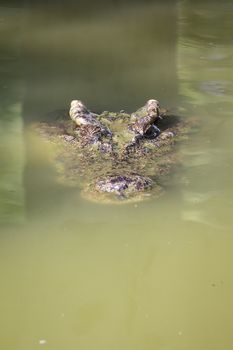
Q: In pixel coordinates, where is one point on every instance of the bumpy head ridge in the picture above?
(80, 114)
(153, 107)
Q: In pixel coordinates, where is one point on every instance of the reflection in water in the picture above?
(206, 81)
(12, 165)
(207, 48)
(11, 124)
(155, 275)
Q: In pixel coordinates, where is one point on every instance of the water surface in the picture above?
(152, 275)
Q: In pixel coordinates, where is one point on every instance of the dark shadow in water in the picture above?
(114, 59)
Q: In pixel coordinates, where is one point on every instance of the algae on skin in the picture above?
(83, 164)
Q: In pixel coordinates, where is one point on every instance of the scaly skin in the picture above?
(116, 157)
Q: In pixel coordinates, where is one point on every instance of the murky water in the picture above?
(79, 275)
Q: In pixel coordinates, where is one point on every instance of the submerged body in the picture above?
(116, 157)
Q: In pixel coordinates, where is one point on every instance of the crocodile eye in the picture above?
(153, 109)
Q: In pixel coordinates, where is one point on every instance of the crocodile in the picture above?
(116, 157)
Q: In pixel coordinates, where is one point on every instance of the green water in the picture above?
(81, 275)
